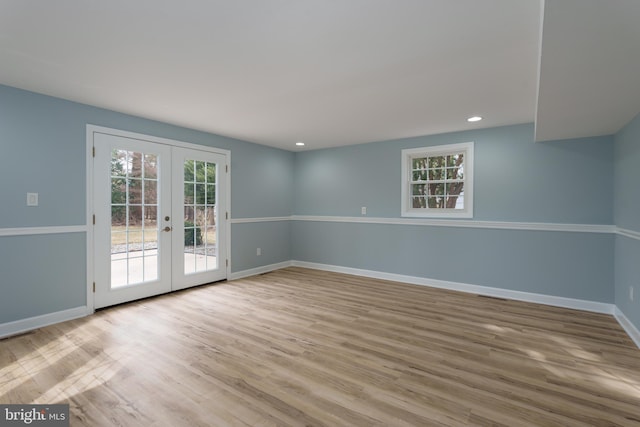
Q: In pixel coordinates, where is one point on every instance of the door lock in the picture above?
(166, 218)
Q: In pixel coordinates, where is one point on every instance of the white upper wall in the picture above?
(590, 68)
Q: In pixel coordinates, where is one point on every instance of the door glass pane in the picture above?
(134, 218)
(150, 192)
(200, 250)
(150, 166)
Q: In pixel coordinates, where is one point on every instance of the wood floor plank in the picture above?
(299, 347)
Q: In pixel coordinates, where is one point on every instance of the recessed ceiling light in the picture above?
(300, 144)
(474, 119)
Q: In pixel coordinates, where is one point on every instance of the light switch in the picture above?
(32, 199)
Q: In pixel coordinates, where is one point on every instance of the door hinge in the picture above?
(94, 219)
(226, 215)
(94, 151)
(226, 168)
(227, 263)
(94, 287)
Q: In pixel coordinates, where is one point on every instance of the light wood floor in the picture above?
(309, 348)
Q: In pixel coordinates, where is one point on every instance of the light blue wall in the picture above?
(43, 150)
(41, 274)
(273, 239)
(627, 273)
(627, 216)
(571, 265)
(43, 142)
(516, 180)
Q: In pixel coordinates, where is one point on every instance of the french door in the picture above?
(198, 250)
(160, 218)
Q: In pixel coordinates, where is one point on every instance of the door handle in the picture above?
(167, 229)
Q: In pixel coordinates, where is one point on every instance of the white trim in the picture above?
(263, 219)
(500, 225)
(25, 325)
(629, 327)
(151, 138)
(260, 270)
(29, 231)
(628, 233)
(503, 225)
(227, 194)
(89, 167)
(577, 304)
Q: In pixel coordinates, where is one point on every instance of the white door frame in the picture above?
(93, 129)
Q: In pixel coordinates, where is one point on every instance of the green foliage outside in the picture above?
(134, 193)
(438, 181)
(189, 231)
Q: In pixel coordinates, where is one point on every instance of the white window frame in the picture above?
(409, 154)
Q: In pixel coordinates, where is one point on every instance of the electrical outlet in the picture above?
(631, 293)
(363, 210)
(258, 251)
(32, 199)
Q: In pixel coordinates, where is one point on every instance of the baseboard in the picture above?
(629, 327)
(572, 303)
(25, 325)
(259, 270)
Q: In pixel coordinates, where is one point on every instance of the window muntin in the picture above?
(437, 181)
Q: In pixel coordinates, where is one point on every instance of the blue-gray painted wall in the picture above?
(574, 181)
(515, 180)
(627, 216)
(571, 265)
(273, 239)
(41, 274)
(43, 149)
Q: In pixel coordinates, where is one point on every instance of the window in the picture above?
(438, 181)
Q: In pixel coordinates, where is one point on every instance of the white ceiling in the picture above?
(590, 68)
(329, 72)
